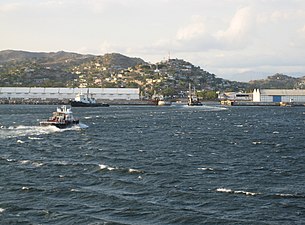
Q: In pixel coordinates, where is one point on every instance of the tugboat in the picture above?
(62, 118)
(192, 98)
(163, 102)
(84, 100)
(160, 100)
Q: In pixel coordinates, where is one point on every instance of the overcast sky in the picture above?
(244, 38)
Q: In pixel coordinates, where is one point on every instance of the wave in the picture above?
(106, 167)
(225, 190)
(135, 171)
(277, 195)
(130, 170)
(35, 138)
(290, 195)
(205, 107)
(205, 168)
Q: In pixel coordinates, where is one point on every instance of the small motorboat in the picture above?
(62, 118)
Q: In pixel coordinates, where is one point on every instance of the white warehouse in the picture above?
(279, 95)
(68, 93)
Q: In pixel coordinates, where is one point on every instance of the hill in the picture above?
(21, 68)
(279, 81)
(8, 56)
(120, 61)
(171, 77)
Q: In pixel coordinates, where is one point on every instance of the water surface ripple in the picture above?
(153, 165)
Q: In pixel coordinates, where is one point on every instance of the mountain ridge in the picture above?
(23, 68)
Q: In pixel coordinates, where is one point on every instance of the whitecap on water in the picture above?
(37, 164)
(290, 195)
(135, 171)
(74, 190)
(130, 170)
(2, 210)
(106, 167)
(205, 168)
(35, 138)
(205, 108)
(24, 161)
(225, 190)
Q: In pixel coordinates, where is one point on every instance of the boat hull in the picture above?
(82, 104)
(60, 125)
(164, 103)
(195, 104)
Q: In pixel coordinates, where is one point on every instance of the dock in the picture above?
(250, 103)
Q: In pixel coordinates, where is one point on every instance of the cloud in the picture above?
(238, 34)
(197, 36)
(193, 30)
(302, 31)
(277, 16)
(97, 6)
(226, 34)
(9, 7)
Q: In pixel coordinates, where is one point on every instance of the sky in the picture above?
(235, 39)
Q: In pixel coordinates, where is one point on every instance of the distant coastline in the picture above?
(66, 102)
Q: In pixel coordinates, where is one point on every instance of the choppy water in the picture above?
(153, 165)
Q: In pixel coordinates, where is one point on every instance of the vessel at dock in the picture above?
(86, 100)
(160, 100)
(193, 99)
(61, 118)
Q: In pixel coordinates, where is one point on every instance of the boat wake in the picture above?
(82, 126)
(22, 131)
(205, 108)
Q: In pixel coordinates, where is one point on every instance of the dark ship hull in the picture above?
(83, 104)
(60, 125)
(194, 103)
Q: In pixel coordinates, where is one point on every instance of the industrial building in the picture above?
(68, 93)
(279, 95)
(234, 96)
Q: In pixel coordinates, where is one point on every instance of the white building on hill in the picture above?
(278, 95)
(68, 93)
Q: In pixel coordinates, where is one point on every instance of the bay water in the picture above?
(153, 165)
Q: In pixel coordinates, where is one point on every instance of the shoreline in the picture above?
(67, 102)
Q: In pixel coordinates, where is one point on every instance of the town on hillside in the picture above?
(170, 77)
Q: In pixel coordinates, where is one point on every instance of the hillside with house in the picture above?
(169, 77)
